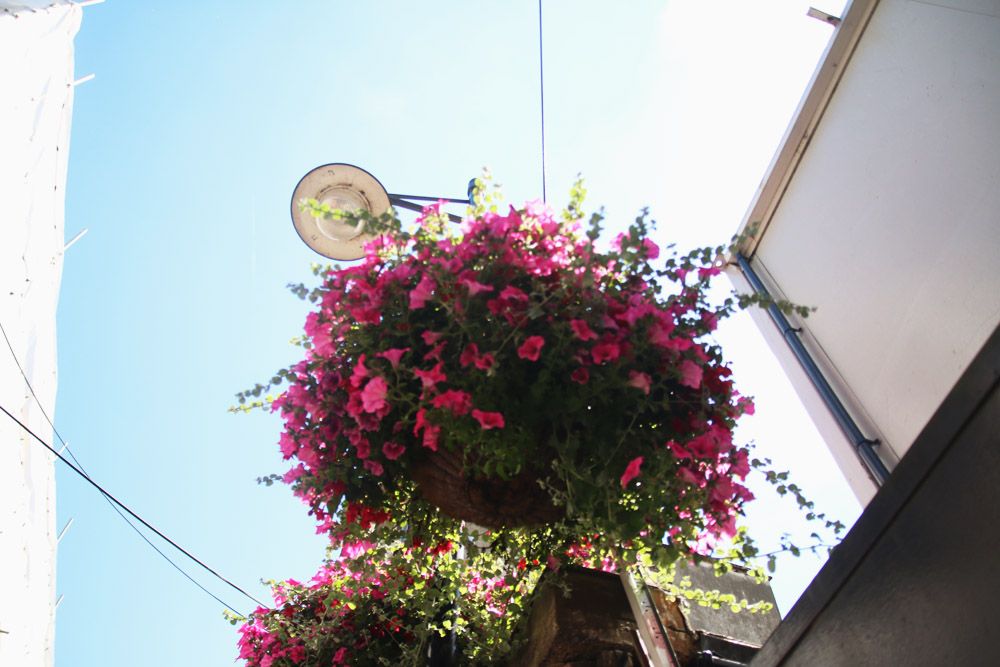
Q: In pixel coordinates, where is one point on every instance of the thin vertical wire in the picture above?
(541, 83)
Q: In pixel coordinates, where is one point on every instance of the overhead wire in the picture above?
(111, 500)
(541, 85)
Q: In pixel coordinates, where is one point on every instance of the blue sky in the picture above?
(185, 150)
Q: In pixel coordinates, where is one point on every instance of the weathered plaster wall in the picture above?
(36, 101)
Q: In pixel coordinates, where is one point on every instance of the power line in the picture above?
(130, 512)
(111, 500)
(541, 84)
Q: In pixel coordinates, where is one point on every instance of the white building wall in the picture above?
(36, 99)
(890, 222)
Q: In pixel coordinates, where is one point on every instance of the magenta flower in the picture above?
(431, 337)
(606, 352)
(373, 395)
(431, 377)
(639, 381)
(422, 292)
(474, 287)
(431, 434)
(293, 474)
(485, 362)
(678, 451)
(512, 294)
(364, 448)
(582, 330)
(393, 451)
(691, 374)
(652, 250)
(435, 353)
(631, 470)
(531, 347)
(690, 476)
(457, 401)
(288, 445)
(470, 355)
(374, 467)
(488, 420)
(393, 355)
(580, 375)
(360, 372)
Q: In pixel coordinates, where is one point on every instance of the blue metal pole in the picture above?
(862, 445)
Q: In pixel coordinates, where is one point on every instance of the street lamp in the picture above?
(348, 188)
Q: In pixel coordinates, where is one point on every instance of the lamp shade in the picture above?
(346, 188)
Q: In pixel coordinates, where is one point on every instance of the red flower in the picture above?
(393, 355)
(582, 331)
(470, 355)
(457, 401)
(393, 451)
(431, 434)
(488, 420)
(631, 470)
(639, 381)
(422, 292)
(606, 352)
(373, 395)
(431, 377)
(530, 348)
(691, 374)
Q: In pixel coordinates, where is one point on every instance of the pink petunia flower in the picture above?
(436, 351)
(393, 355)
(360, 372)
(374, 467)
(530, 348)
(457, 401)
(420, 422)
(580, 375)
(288, 445)
(513, 294)
(690, 476)
(485, 362)
(431, 434)
(475, 287)
(373, 395)
(293, 474)
(606, 352)
(652, 250)
(364, 448)
(431, 337)
(582, 330)
(678, 451)
(469, 355)
(431, 377)
(393, 451)
(422, 292)
(488, 420)
(691, 374)
(631, 470)
(639, 380)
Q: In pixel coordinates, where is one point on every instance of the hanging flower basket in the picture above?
(492, 502)
(518, 374)
(395, 601)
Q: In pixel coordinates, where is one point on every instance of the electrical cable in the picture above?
(541, 85)
(130, 512)
(113, 502)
